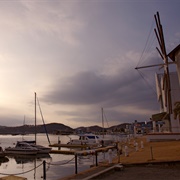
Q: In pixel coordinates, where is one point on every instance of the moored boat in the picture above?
(41, 149)
(21, 148)
(90, 139)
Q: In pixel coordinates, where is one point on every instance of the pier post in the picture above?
(75, 163)
(110, 156)
(119, 151)
(126, 151)
(96, 158)
(152, 158)
(119, 155)
(44, 170)
(59, 142)
(136, 146)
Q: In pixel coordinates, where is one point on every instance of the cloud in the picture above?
(117, 87)
(87, 88)
(80, 57)
(39, 19)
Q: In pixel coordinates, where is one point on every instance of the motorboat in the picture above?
(90, 139)
(85, 139)
(41, 149)
(22, 148)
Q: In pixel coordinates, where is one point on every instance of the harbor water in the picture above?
(31, 167)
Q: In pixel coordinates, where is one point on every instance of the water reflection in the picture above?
(23, 159)
(3, 160)
(57, 165)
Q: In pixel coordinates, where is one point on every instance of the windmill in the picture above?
(166, 102)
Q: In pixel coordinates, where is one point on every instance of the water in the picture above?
(31, 167)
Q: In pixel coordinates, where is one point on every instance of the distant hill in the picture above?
(30, 129)
(123, 125)
(55, 128)
(89, 129)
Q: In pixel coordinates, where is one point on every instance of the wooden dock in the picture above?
(82, 152)
(67, 152)
(83, 146)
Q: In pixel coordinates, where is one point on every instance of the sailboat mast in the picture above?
(35, 116)
(43, 120)
(102, 121)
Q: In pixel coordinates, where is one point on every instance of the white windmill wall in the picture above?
(175, 96)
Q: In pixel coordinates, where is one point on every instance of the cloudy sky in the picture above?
(80, 56)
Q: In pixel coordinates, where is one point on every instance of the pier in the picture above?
(83, 146)
(164, 163)
(85, 149)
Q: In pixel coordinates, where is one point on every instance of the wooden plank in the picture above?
(62, 152)
(83, 152)
(69, 145)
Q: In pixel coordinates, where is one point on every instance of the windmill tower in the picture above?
(165, 82)
(166, 77)
(169, 80)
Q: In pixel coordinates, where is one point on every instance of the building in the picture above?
(168, 117)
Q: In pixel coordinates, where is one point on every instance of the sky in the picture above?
(80, 56)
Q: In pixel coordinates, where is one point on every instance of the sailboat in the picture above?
(105, 141)
(41, 149)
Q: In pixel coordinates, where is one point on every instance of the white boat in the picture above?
(22, 148)
(85, 139)
(41, 149)
(91, 140)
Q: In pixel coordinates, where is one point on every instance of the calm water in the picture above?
(57, 165)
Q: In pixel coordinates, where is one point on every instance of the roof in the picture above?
(160, 116)
(173, 52)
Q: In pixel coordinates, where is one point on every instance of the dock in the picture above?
(67, 152)
(82, 146)
(84, 149)
(164, 164)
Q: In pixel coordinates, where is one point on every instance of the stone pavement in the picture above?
(157, 160)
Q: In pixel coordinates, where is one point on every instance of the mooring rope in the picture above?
(61, 163)
(22, 172)
(7, 174)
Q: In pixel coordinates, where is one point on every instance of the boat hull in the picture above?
(20, 151)
(41, 149)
